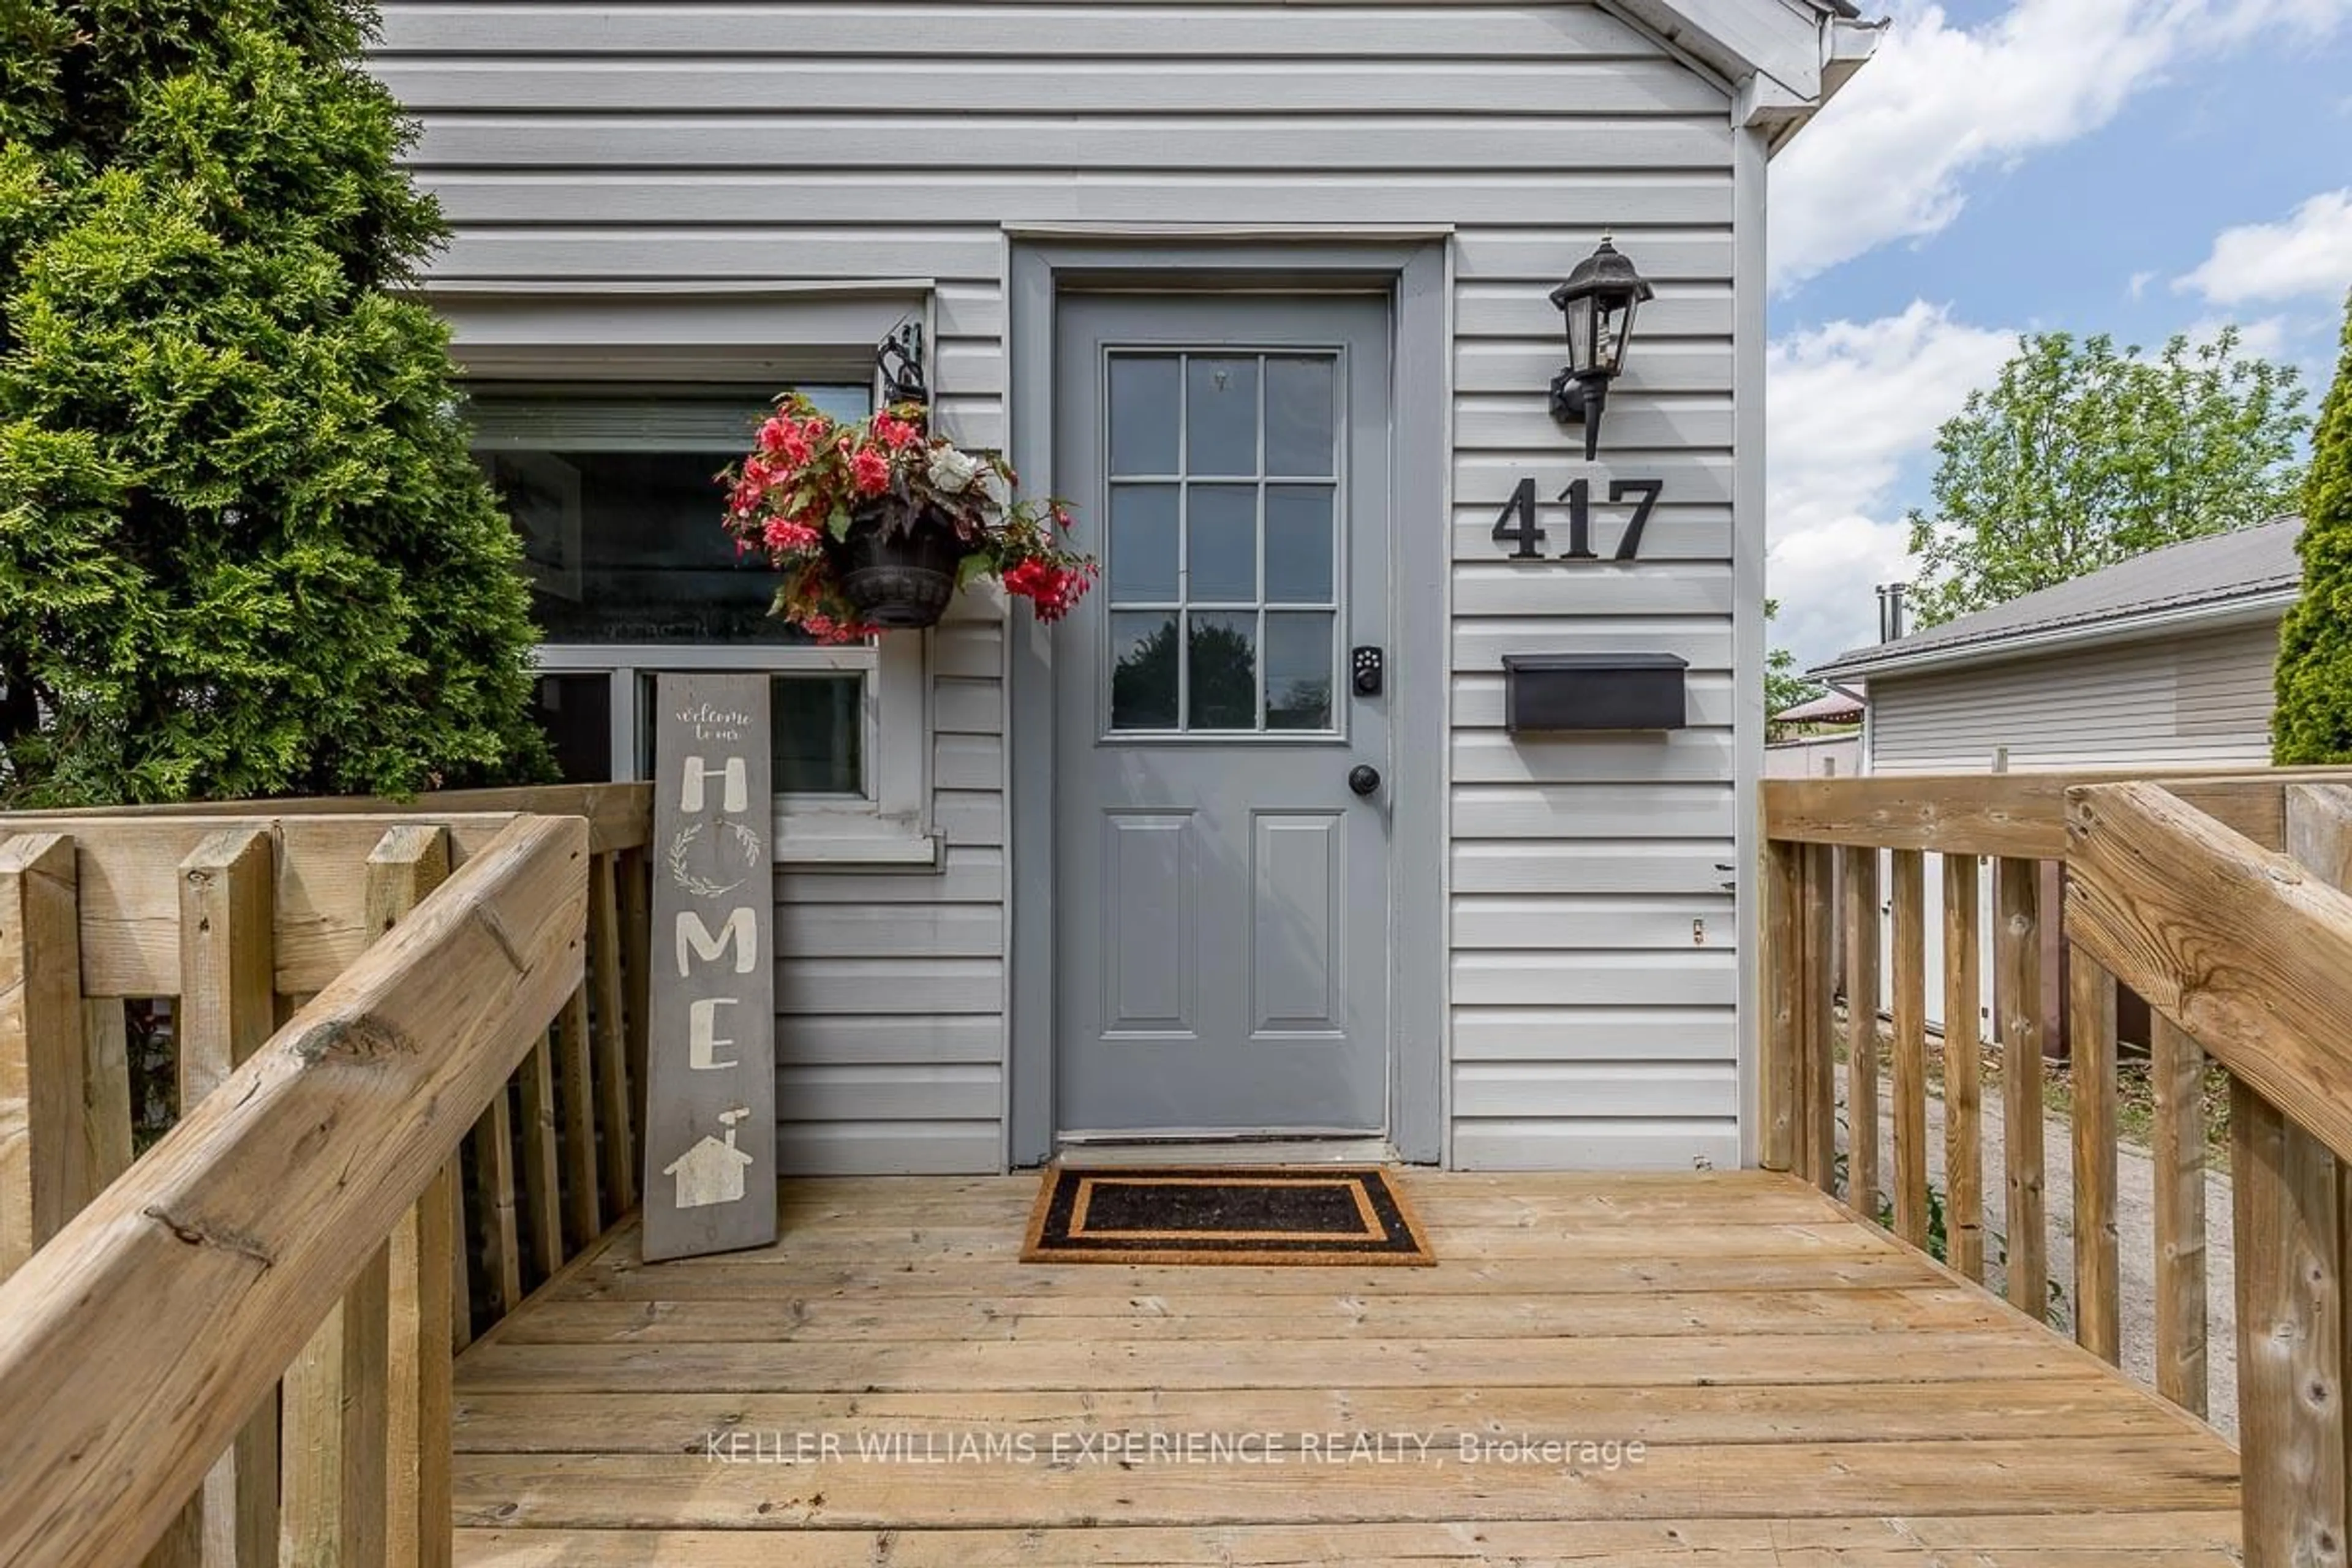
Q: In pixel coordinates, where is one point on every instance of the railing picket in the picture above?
(42, 1168)
(1963, 1069)
(227, 1010)
(1817, 1064)
(105, 1092)
(636, 871)
(614, 1082)
(583, 1215)
(542, 1186)
(406, 865)
(2017, 955)
(2176, 1073)
(333, 1461)
(1859, 869)
(494, 1164)
(2091, 1033)
(1783, 960)
(1910, 1060)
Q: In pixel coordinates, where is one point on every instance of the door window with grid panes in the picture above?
(1222, 571)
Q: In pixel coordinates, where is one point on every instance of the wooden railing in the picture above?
(404, 1040)
(2176, 891)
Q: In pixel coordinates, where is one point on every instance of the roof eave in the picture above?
(1784, 58)
(2212, 613)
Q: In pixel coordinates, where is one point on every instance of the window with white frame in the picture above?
(612, 489)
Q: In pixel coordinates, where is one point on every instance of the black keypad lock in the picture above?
(1365, 664)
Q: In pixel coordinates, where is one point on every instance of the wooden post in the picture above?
(613, 1080)
(405, 868)
(2295, 1451)
(1910, 1060)
(1817, 1063)
(1963, 1065)
(2017, 957)
(2177, 1071)
(2289, 1295)
(227, 1010)
(43, 1166)
(2091, 1008)
(1782, 960)
(1861, 875)
(356, 1442)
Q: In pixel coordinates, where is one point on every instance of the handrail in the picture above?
(256, 1215)
(2249, 951)
(2020, 815)
(620, 815)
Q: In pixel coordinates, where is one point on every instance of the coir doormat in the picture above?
(1207, 1215)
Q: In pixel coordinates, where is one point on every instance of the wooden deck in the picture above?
(1807, 1391)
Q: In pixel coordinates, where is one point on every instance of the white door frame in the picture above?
(1412, 269)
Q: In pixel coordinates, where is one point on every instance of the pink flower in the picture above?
(782, 438)
(744, 499)
(1062, 518)
(788, 538)
(1051, 590)
(870, 470)
(894, 433)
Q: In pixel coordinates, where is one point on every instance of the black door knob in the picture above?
(1364, 778)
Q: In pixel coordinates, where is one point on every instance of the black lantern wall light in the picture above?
(1599, 300)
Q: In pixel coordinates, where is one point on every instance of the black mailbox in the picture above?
(1550, 691)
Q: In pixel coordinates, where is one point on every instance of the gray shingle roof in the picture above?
(2218, 570)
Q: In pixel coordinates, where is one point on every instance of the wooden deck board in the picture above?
(1805, 1391)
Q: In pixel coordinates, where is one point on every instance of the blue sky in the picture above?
(2140, 167)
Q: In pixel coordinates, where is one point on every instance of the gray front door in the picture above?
(1222, 900)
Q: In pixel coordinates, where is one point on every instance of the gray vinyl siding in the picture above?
(805, 141)
(2189, 701)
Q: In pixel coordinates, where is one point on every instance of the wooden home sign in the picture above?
(711, 1106)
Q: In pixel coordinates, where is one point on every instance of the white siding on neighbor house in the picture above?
(2196, 701)
(1590, 1024)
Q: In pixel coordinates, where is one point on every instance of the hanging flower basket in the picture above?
(873, 526)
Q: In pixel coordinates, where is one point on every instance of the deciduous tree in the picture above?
(2082, 455)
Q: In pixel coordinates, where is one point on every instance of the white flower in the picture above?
(952, 472)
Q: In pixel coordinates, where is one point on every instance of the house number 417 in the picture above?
(1516, 525)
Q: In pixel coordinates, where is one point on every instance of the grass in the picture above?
(2135, 1093)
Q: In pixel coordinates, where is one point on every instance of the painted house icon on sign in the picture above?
(711, 1171)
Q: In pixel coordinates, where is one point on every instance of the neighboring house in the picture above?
(2162, 660)
(1285, 270)
(1817, 740)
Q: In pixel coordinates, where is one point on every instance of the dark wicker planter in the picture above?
(900, 581)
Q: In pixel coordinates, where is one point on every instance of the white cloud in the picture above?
(2267, 337)
(2137, 288)
(2309, 253)
(1886, 159)
(1851, 403)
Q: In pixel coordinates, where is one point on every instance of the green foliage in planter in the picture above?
(2315, 669)
(242, 550)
